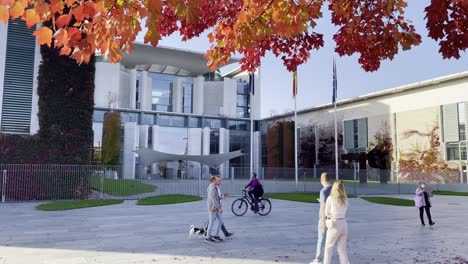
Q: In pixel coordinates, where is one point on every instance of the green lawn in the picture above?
(121, 187)
(168, 199)
(450, 193)
(70, 205)
(389, 201)
(299, 197)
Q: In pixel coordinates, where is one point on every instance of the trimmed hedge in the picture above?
(111, 138)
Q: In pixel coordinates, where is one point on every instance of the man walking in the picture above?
(324, 193)
(214, 211)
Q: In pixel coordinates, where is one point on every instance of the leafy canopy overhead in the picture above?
(375, 29)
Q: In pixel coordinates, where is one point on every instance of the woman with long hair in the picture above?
(337, 233)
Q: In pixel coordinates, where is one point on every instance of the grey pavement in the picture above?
(128, 233)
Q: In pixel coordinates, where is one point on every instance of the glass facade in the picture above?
(162, 91)
(240, 140)
(243, 100)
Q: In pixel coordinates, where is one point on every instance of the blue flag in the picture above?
(335, 82)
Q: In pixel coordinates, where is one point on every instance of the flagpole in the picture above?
(251, 80)
(336, 146)
(251, 133)
(335, 95)
(295, 90)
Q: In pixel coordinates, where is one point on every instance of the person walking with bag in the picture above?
(337, 228)
(423, 202)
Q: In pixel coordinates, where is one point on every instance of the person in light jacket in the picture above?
(214, 211)
(423, 202)
(337, 228)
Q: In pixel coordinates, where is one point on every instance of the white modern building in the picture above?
(426, 122)
(168, 99)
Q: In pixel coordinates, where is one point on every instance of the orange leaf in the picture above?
(16, 10)
(4, 15)
(79, 14)
(61, 37)
(90, 8)
(31, 17)
(63, 21)
(44, 36)
(65, 50)
(56, 6)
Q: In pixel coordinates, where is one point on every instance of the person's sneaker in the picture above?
(229, 235)
(218, 239)
(431, 223)
(210, 240)
(316, 261)
(423, 224)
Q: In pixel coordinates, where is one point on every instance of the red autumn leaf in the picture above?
(63, 20)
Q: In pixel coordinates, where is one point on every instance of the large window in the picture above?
(240, 140)
(454, 124)
(243, 100)
(162, 91)
(214, 142)
(355, 135)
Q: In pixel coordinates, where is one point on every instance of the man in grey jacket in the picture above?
(214, 211)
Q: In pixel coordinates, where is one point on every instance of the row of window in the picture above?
(176, 121)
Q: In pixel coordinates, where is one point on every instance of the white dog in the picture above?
(195, 230)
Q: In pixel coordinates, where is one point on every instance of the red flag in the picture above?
(294, 74)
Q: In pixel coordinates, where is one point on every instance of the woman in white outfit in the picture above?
(337, 233)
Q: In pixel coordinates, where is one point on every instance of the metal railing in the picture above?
(45, 182)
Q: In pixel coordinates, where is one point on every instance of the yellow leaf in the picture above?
(4, 15)
(16, 10)
(31, 17)
(44, 36)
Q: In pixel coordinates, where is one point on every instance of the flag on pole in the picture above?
(294, 74)
(335, 82)
(252, 83)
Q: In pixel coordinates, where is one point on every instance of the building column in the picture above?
(143, 138)
(133, 83)
(145, 91)
(206, 148)
(177, 96)
(3, 45)
(34, 125)
(131, 135)
(198, 93)
(255, 99)
(224, 148)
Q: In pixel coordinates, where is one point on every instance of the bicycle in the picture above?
(239, 206)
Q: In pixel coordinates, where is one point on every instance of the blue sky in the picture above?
(315, 77)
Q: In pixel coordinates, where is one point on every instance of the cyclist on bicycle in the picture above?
(255, 190)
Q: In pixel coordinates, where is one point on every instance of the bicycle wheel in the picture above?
(264, 206)
(239, 207)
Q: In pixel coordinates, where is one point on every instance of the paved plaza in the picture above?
(128, 233)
